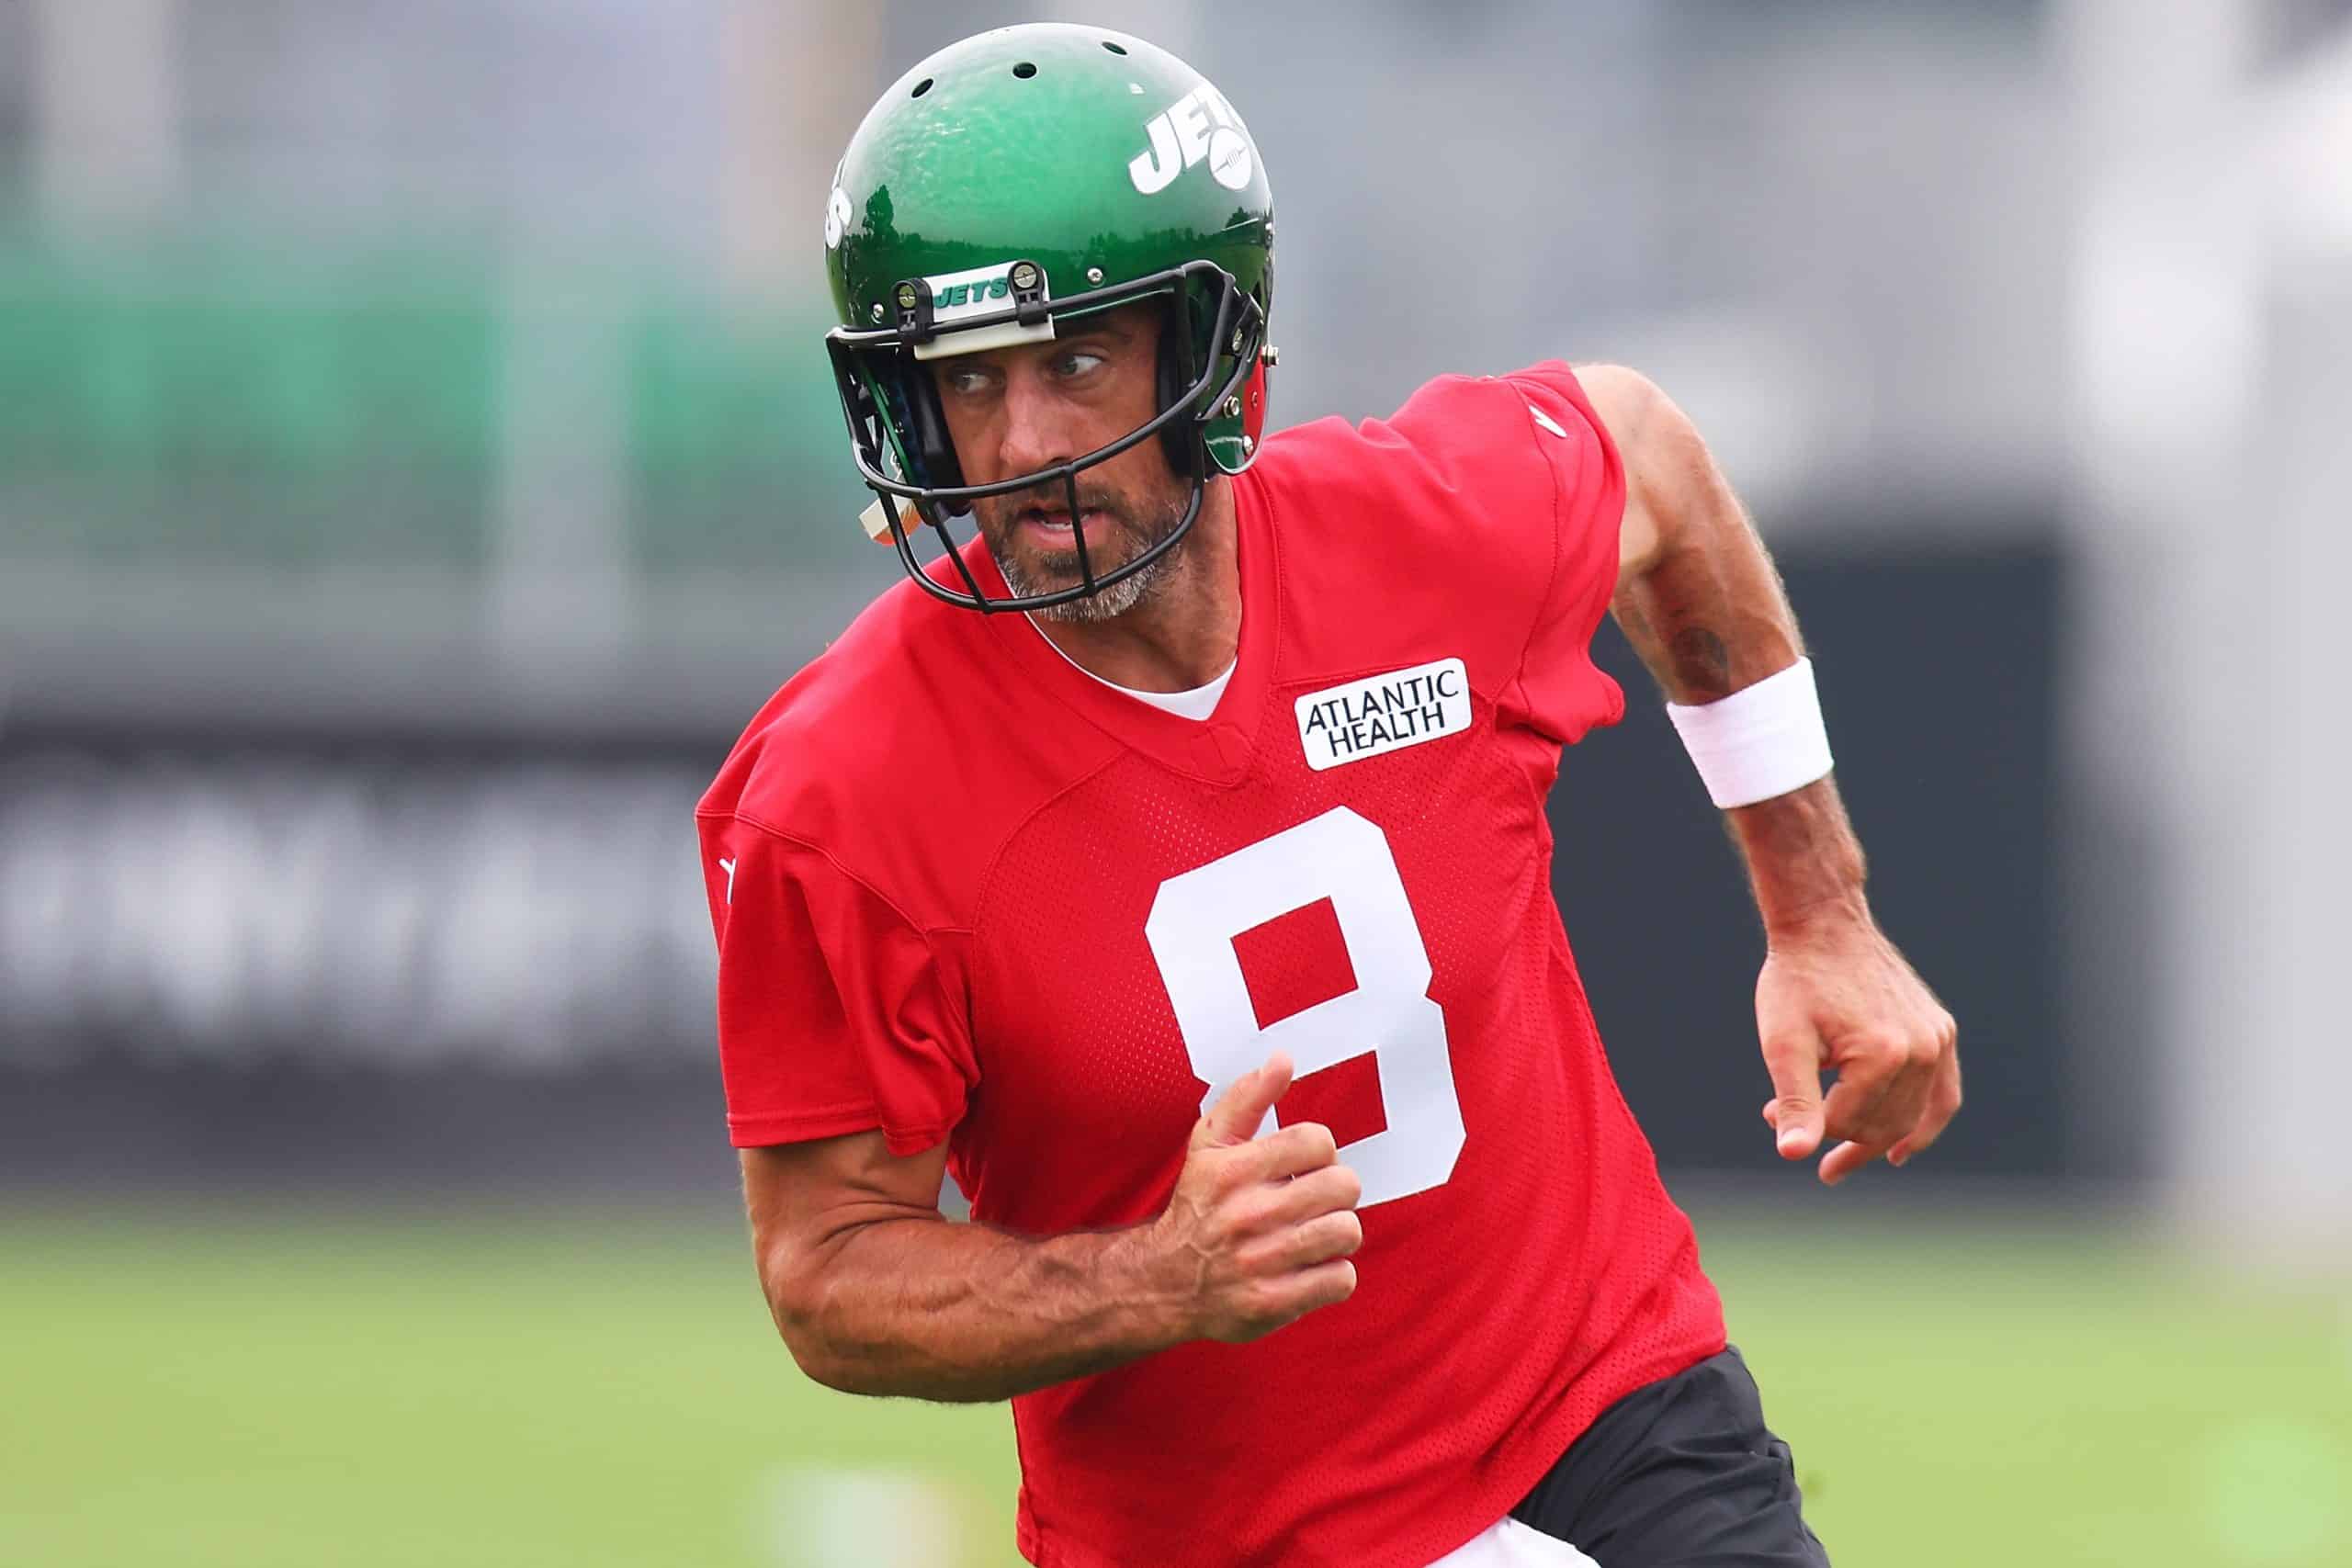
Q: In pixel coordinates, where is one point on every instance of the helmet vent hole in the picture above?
(1114, 47)
(921, 87)
(1024, 71)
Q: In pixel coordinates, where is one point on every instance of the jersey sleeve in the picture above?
(1560, 692)
(836, 1014)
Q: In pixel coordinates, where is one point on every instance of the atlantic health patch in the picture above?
(1383, 713)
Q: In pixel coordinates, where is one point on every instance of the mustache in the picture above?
(1054, 498)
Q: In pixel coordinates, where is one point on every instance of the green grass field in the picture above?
(284, 1392)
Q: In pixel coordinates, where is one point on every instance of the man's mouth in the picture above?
(1052, 527)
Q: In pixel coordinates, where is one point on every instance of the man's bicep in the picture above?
(810, 1192)
(804, 1198)
(1657, 447)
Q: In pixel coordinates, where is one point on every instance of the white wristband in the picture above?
(1763, 740)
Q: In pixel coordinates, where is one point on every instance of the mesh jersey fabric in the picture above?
(963, 891)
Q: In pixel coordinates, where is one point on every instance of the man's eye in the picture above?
(1077, 364)
(965, 383)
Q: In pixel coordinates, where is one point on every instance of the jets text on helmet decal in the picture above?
(1200, 126)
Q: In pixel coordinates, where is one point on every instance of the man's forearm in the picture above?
(1700, 601)
(1708, 618)
(1802, 858)
(876, 1293)
(928, 1309)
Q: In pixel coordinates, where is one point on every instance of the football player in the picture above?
(1166, 861)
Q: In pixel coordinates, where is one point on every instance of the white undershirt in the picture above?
(1197, 705)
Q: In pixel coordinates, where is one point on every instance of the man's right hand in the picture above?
(1259, 1231)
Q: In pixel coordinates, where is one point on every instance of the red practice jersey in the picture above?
(964, 891)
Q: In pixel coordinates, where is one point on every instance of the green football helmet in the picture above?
(1018, 179)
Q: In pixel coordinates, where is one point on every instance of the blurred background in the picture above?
(417, 461)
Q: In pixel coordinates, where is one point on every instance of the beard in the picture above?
(1135, 527)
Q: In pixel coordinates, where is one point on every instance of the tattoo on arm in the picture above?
(1709, 617)
(1702, 662)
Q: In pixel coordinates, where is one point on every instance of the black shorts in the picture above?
(1682, 1472)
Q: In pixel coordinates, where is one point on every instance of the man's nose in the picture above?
(1038, 431)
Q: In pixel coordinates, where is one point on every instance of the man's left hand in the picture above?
(1840, 998)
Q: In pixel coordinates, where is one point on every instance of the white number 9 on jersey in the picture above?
(1342, 857)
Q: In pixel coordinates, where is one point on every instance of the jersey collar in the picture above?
(1217, 748)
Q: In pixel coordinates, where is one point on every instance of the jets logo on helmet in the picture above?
(1004, 162)
(1182, 136)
